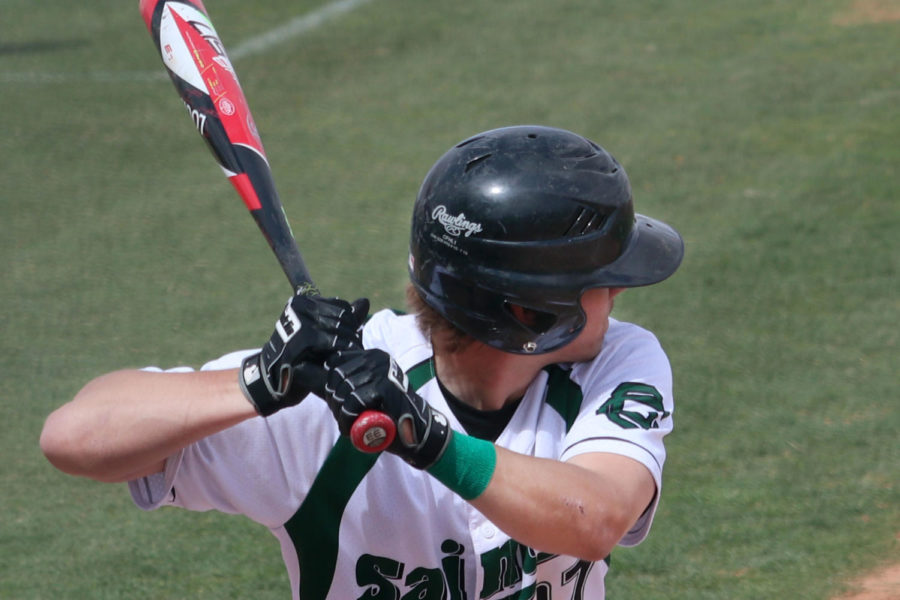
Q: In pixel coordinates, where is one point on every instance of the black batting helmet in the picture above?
(530, 216)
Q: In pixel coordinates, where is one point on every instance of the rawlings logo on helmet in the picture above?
(455, 225)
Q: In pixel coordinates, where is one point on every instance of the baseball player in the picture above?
(529, 423)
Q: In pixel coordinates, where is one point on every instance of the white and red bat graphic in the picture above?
(198, 65)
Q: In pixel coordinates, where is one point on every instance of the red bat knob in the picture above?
(372, 432)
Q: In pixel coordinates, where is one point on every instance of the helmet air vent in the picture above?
(476, 161)
(585, 222)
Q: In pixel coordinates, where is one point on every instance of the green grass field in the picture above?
(767, 132)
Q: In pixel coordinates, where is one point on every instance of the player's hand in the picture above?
(361, 380)
(291, 364)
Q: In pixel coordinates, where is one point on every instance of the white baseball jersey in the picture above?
(354, 525)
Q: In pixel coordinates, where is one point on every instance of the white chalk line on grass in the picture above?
(258, 44)
(294, 28)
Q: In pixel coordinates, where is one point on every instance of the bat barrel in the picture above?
(204, 77)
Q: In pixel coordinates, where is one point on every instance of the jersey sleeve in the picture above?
(260, 468)
(397, 334)
(627, 408)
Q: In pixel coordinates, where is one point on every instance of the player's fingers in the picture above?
(341, 366)
(360, 309)
(320, 308)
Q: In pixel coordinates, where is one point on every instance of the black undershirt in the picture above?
(483, 424)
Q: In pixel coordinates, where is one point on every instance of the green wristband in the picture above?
(466, 466)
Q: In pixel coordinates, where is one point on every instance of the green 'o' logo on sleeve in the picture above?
(643, 394)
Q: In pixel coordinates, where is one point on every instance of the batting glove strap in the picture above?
(431, 437)
(258, 390)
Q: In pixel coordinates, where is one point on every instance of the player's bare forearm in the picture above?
(124, 425)
(581, 508)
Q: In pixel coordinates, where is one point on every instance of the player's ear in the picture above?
(613, 292)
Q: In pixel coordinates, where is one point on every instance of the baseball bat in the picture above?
(207, 83)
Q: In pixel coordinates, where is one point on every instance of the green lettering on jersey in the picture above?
(532, 558)
(379, 577)
(454, 568)
(502, 568)
(427, 584)
(374, 573)
(642, 393)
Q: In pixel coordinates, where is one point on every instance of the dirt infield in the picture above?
(861, 12)
(880, 585)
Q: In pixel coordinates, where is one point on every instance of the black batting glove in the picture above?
(291, 364)
(361, 380)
